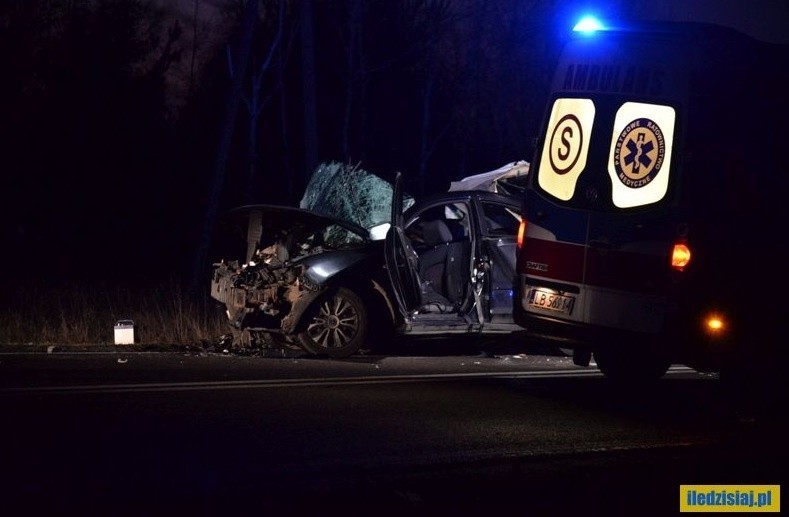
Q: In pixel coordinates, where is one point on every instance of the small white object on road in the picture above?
(124, 332)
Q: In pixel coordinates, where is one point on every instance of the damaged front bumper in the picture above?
(258, 297)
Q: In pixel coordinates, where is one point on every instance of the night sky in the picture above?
(115, 112)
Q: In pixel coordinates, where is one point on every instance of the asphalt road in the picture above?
(123, 432)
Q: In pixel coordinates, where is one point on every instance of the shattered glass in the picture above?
(350, 193)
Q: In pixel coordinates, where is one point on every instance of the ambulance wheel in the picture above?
(632, 366)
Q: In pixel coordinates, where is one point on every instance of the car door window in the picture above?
(439, 224)
(441, 236)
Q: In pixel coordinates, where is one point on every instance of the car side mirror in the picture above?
(378, 233)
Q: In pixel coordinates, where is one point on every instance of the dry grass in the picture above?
(86, 314)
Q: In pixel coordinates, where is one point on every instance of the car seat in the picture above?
(442, 264)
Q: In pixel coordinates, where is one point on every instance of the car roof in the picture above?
(465, 195)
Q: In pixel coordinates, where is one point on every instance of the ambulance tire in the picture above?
(631, 366)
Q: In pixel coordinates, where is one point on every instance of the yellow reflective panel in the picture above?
(640, 156)
(566, 146)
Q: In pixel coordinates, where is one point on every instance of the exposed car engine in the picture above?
(262, 292)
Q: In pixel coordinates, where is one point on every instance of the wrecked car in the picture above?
(359, 259)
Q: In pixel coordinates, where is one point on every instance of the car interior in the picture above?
(441, 238)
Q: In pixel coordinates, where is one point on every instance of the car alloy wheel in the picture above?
(338, 325)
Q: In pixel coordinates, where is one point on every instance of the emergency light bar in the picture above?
(588, 25)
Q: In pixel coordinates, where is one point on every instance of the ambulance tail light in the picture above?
(716, 325)
(521, 233)
(680, 256)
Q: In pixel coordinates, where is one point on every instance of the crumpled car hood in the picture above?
(266, 224)
(291, 253)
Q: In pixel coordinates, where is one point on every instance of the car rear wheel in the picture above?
(338, 325)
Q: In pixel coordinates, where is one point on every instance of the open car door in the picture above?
(402, 261)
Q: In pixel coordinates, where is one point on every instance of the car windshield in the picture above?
(350, 193)
(335, 236)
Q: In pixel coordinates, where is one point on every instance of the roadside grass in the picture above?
(78, 313)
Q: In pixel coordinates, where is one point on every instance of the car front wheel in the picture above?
(337, 326)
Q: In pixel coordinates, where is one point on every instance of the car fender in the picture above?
(322, 268)
(292, 320)
(375, 295)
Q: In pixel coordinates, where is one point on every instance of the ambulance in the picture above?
(654, 226)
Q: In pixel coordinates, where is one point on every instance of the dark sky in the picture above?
(113, 110)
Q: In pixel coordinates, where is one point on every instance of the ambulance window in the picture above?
(639, 162)
(566, 146)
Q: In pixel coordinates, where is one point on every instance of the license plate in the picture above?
(547, 299)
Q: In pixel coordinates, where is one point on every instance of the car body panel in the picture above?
(479, 258)
(460, 283)
(401, 259)
(287, 265)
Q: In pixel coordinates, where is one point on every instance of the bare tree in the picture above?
(282, 55)
(356, 72)
(309, 89)
(225, 139)
(418, 25)
(431, 17)
(255, 102)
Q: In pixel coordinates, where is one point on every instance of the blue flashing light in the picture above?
(588, 25)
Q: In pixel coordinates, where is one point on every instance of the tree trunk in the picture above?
(308, 87)
(225, 140)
